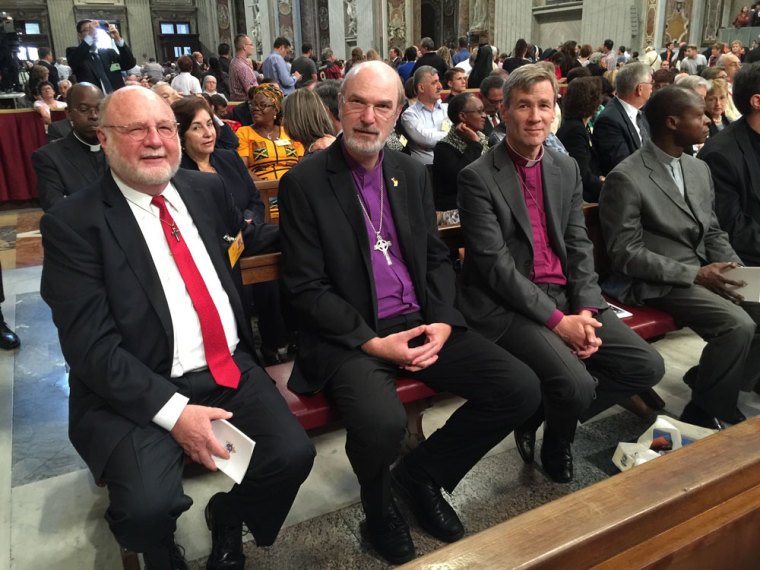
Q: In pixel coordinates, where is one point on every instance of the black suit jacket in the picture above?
(58, 130)
(236, 179)
(112, 316)
(735, 170)
(326, 253)
(434, 60)
(84, 69)
(65, 166)
(615, 137)
(574, 136)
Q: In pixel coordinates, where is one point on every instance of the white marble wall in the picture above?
(141, 40)
(603, 19)
(337, 29)
(513, 20)
(365, 25)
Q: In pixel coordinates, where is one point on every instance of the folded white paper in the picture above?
(240, 447)
(751, 276)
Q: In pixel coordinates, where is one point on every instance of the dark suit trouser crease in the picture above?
(144, 473)
(576, 389)
(501, 393)
(731, 360)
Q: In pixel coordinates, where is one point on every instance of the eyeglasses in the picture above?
(138, 131)
(382, 110)
(261, 106)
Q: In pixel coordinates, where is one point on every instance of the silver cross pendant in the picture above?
(383, 245)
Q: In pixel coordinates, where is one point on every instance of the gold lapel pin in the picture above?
(395, 182)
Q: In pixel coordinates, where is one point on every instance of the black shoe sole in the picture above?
(384, 555)
(407, 498)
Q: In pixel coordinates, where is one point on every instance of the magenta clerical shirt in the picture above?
(393, 284)
(546, 264)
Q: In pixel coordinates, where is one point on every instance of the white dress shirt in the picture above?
(425, 128)
(632, 113)
(189, 353)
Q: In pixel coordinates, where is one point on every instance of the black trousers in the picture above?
(2, 293)
(501, 392)
(144, 474)
(576, 389)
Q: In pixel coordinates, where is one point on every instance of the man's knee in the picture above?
(378, 435)
(292, 461)
(573, 394)
(140, 520)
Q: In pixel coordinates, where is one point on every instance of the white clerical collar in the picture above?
(92, 147)
(529, 163)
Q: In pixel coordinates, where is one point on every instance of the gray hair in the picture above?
(422, 71)
(378, 65)
(326, 53)
(693, 81)
(427, 43)
(525, 77)
(630, 76)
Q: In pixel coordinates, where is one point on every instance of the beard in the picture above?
(360, 146)
(142, 175)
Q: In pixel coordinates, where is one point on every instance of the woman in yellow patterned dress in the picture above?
(265, 147)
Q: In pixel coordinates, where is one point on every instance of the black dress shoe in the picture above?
(390, 536)
(526, 443)
(652, 399)
(8, 339)
(690, 378)
(167, 556)
(693, 414)
(736, 417)
(557, 460)
(427, 503)
(226, 536)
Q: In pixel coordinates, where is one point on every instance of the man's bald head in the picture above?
(677, 112)
(78, 91)
(138, 133)
(83, 108)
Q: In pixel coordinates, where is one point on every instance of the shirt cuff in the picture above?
(120, 43)
(592, 310)
(168, 415)
(554, 320)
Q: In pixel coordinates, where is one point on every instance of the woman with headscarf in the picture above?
(210, 84)
(265, 147)
(482, 67)
(463, 144)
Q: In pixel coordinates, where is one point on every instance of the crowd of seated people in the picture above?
(533, 278)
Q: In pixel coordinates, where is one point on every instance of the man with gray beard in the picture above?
(144, 290)
(371, 282)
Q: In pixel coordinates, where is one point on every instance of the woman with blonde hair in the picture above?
(445, 54)
(715, 106)
(305, 119)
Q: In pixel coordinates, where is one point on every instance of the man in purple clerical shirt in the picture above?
(529, 282)
(372, 285)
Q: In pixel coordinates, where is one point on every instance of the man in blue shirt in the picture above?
(463, 52)
(275, 68)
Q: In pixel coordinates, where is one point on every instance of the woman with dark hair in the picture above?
(570, 50)
(265, 146)
(185, 83)
(197, 134)
(518, 58)
(47, 102)
(405, 69)
(357, 56)
(482, 67)
(585, 53)
(463, 144)
(579, 104)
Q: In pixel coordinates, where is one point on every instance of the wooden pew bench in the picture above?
(697, 508)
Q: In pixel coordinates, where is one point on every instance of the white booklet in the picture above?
(238, 444)
(620, 312)
(751, 276)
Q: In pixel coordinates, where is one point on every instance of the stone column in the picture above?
(141, 40)
(63, 31)
(365, 25)
(337, 29)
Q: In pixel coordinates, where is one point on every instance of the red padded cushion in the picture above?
(315, 411)
(646, 321)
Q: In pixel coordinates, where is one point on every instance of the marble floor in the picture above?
(52, 511)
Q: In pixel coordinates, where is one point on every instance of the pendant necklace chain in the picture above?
(381, 245)
(175, 230)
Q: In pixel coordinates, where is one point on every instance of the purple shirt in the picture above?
(546, 264)
(393, 284)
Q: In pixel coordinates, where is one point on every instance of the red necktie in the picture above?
(220, 363)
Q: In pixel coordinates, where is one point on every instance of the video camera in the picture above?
(9, 63)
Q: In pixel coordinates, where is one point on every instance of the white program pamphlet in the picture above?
(751, 276)
(620, 312)
(238, 444)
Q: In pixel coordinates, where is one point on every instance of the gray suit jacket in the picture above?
(657, 239)
(499, 241)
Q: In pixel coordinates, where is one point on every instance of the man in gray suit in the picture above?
(75, 161)
(529, 282)
(668, 251)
